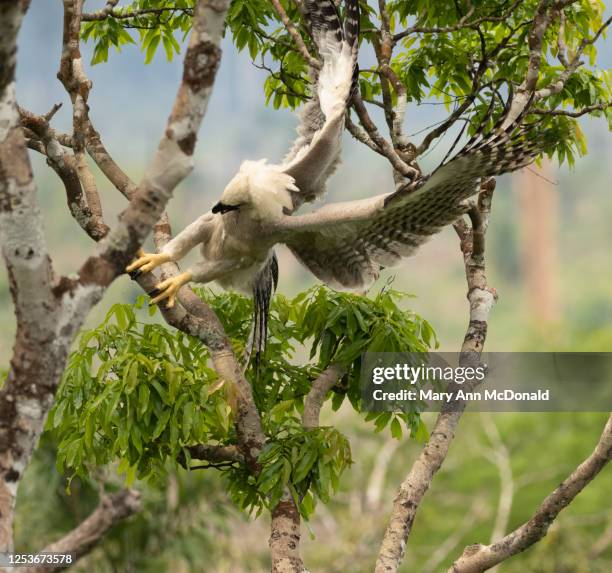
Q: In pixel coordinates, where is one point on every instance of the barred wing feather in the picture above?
(346, 244)
(316, 152)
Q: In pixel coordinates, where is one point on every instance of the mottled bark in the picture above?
(285, 527)
(50, 310)
(29, 272)
(285, 538)
(433, 454)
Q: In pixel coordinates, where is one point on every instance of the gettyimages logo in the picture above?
(536, 382)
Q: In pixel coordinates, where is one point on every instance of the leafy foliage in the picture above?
(307, 463)
(141, 394)
(431, 66)
(156, 23)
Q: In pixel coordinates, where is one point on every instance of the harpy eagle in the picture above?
(343, 244)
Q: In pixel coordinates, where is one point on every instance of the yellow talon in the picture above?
(146, 262)
(167, 289)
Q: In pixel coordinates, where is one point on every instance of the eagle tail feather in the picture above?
(264, 286)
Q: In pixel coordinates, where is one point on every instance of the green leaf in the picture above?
(151, 47)
(396, 429)
(144, 394)
(382, 420)
(308, 459)
(188, 416)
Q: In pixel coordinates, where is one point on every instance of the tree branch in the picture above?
(212, 453)
(478, 558)
(83, 538)
(301, 46)
(385, 147)
(72, 75)
(360, 135)
(285, 537)
(568, 113)
(316, 396)
(106, 163)
(463, 23)
(65, 167)
(432, 456)
(109, 11)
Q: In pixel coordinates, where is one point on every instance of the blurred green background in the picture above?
(548, 257)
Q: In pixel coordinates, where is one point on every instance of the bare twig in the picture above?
(103, 159)
(109, 11)
(569, 113)
(361, 135)
(291, 29)
(463, 23)
(478, 558)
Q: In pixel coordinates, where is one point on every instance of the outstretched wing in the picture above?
(316, 152)
(346, 244)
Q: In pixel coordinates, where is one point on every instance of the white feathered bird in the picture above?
(343, 244)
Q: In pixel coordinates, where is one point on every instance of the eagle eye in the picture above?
(224, 208)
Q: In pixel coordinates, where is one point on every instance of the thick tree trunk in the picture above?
(50, 310)
(285, 538)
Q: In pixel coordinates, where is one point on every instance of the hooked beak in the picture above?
(223, 208)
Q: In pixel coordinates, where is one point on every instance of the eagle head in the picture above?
(259, 189)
